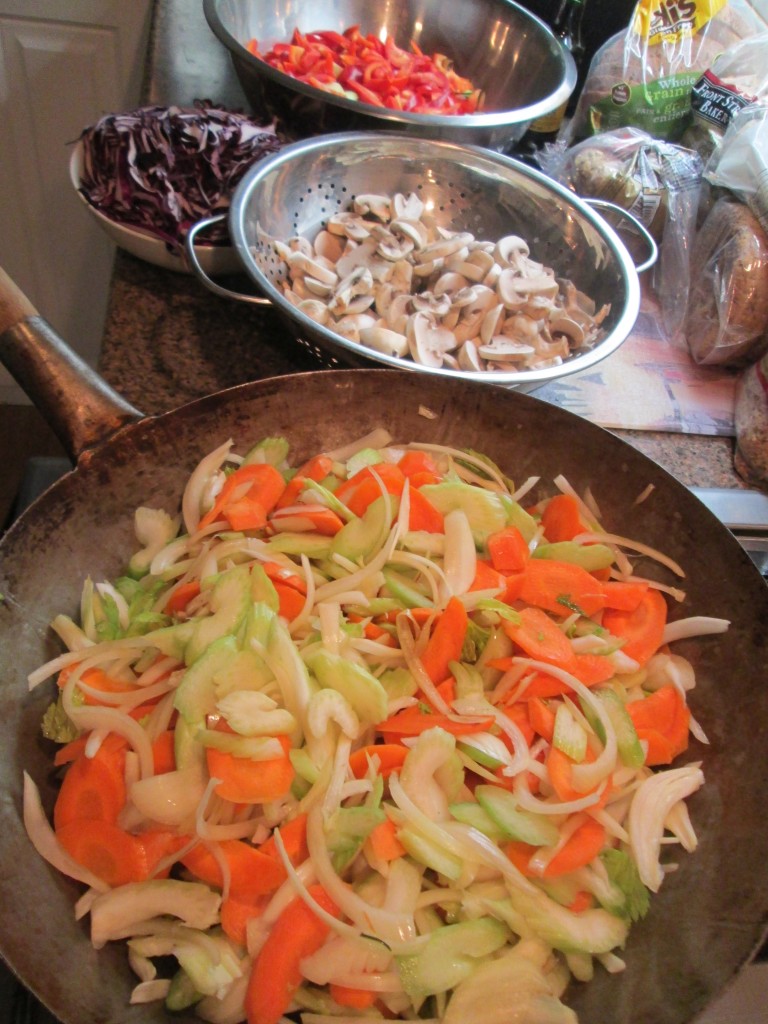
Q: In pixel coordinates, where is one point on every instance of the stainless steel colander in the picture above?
(296, 190)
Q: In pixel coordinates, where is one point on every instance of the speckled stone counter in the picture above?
(168, 340)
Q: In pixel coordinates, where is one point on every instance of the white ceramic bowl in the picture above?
(216, 259)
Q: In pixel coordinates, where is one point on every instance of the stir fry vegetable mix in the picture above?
(370, 736)
(366, 68)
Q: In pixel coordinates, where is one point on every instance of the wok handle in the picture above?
(81, 408)
(217, 289)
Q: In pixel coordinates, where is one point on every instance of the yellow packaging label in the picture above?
(657, 20)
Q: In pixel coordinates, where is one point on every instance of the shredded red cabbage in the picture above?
(164, 168)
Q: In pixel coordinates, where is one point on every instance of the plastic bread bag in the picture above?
(644, 76)
(740, 163)
(736, 79)
(658, 183)
(751, 423)
(727, 320)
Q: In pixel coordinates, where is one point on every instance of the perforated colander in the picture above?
(295, 191)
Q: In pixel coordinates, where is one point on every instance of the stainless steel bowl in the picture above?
(505, 50)
(295, 191)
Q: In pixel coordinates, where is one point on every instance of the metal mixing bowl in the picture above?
(294, 192)
(503, 49)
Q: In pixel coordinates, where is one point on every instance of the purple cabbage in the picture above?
(164, 168)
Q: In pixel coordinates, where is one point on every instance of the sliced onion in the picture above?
(44, 840)
(460, 563)
(695, 625)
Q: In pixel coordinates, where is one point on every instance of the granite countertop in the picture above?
(169, 340)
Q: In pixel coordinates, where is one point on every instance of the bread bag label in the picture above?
(658, 20)
(715, 102)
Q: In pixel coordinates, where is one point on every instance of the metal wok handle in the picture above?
(653, 249)
(217, 289)
(81, 408)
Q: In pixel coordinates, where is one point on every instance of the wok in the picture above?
(709, 916)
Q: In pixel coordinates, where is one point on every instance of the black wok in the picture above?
(710, 915)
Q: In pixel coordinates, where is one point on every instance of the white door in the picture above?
(63, 63)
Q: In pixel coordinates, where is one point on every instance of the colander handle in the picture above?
(217, 289)
(619, 211)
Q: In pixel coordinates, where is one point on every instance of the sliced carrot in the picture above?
(290, 601)
(541, 717)
(561, 518)
(413, 721)
(641, 629)
(592, 669)
(111, 853)
(560, 773)
(363, 488)
(582, 901)
(356, 998)
(158, 844)
(93, 787)
(541, 638)
(389, 755)
(235, 915)
(423, 515)
(307, 519)
(96, 679)
(294, 836)
(446, 641)
(70, 751)
(246, 514)
(518, 714)
(181, 596)
(258, 481)
(245, 781)
(163, 752)
(558, 587)
(316, 469)
(276, 974)
(420, 465)
(580, 849)
(282, 574)
(663, 720)
(384, 842)
(624, 596)
(487, 578)
(252, 872)
(508, 550)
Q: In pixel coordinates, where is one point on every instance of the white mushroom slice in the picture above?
(508, 290)
(502, 349)
(428, 302)
(509, 247)
(412, 229)
(444, 247)
(298, 243)
(565, 325)
(475, 267)
(402, 276)
(450, 283)
(383, 293)
(450, 361)
(364, 254)
(300, 289)
(465, 296)
(468, 328)
(491, 278)
(521, 327)
(427, 342)
(351, 225)
(409, 207)
(300, 263)
(451, 318)
(425, 269)
(491, 323)
(482, 300)
(315, 287)
(399, 311)
(469, 358)
(315, 310)
(377, 206)
(389, 343)
(356, 286)
(329, 246)
(281, 249)
(391, 246)
(541, 284)
(352, 325)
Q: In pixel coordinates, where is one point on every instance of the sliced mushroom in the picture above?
(311, 266)
(354, 293)
(363, 254)
(377, 206)
(427, 342)
(409, 207)
(352, 225)
(491, 323)
(509, 247)
(402, 276)
(443, 248)
(384, 340)
(315, 310)
(503, 349)
(469, 358)
(315, 287)
(329, 246)
(412, 229)
(428, 302)
(450, 283)
(391, 246)
(398, 312)
(570, 328)
(353, 325)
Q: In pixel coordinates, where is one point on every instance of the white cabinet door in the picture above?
(63, 63)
